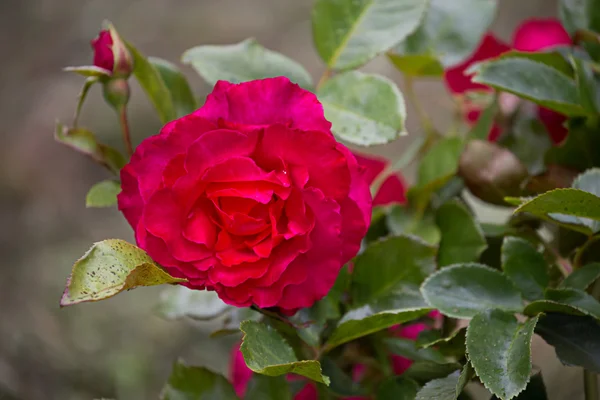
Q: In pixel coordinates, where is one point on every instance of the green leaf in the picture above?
(535, 390)
(152, 82)
(400, 261)
(499, 348)
(589, 182)
(424, 371)
(462, 238)
(463, 290)
(233, 319)
(84, 141)
(402, 220)
(348, 33)
(244, 61)
(416, 65)
(447, 33)
(179, 301)
(181, 93)
(582, 278)
(400, 306)
(440, 162)
(576, 339)
(441, 388)
(525, 266)
(397, 388)
(407, 348)
(555, 203)
(580, 14)
(567, 301)
(450, 346)
(552, 59)
(263, 387)
(110, 267)
(196, 383)
(103, 194)
(341, 383)
(577, 151)
(364, 109)
(266, 352)
(541, 83)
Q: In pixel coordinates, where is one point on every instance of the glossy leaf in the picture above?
(244, 61)
(364, 109)
(580, 14)
(262, 387)
(266, 352)
(568, 301)
(463, 290)
(582, 277)
(90, 71)
(499, 348)
(84, 141)
(533, 81)
(535, 390)
(179, 301)
(110, 267)
(196, 383)
(587, 87)
(152, 82)
(525, 266)
(441, 388)
(416, 65)
(397, 307)
(462, 238)
(448, 33)
(103, 194)
(397, 388)
(440, 162)
(348, 33)
(576, 339)
(425, 371)
(177, 84)
(400, 261)
(403, 220)
(451, 346)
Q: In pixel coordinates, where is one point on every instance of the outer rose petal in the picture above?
(103, 53)
(455, 77)
(540, 34)
(393, 189)
(239, 373)
(265, 102)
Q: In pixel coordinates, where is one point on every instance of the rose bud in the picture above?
(250, 196)
(491, 172)
(111, 54)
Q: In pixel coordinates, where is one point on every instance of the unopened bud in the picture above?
(111, 54)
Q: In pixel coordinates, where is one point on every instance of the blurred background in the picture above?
(119, 348)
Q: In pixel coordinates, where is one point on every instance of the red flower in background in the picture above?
(103, 52)
(250, 196)
(533, 35)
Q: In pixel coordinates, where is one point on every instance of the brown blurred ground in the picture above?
(118, 348)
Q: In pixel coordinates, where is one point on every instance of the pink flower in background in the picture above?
(399, 363)
(250, 196)
(393, 189)
(103, 52)
(532, 35)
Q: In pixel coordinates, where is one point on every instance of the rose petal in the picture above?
(540, 34)
(265, 102)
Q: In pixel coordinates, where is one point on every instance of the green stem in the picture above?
(578, 259)
(125, 129)
(326, 75)
(590, 385)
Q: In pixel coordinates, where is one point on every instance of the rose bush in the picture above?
(533, 35)
(250, 196)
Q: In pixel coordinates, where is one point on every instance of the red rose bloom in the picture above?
(532, 35)
(103, 52)
(250, 196)
(392, 190)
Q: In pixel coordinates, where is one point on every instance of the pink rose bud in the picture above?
(250, 196)
(111, 54)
